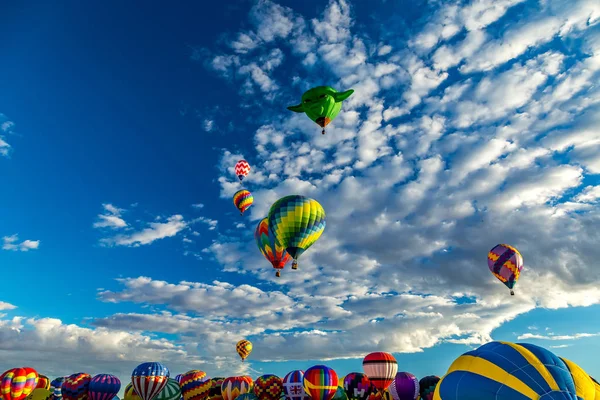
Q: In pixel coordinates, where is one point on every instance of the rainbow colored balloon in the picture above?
(233, 386)
(427, 387)
(320, 382)
(296, 222)
(405, 386)
(242, 199)
(149, 379)
(293, 386)
(357, 386)
(130, 393)
(104, 387)
(268, 387)
(269, 246)
(43, 382)
(171, 391)
(76, 386)
(505, 263)
(381, 368)
(195, 385)
(17, 383)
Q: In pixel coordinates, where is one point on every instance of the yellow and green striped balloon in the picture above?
(297, 223)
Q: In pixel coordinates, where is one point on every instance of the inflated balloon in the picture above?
(268, 387)
(242, 199)
(39, 394)
(214, 393)
(247, 396)
(320, 382)
(405, 386)
(514, 370)
(584, 385)
(17, 383)
(43, 382)
(178, 378)
(242, 169)
(377, 395)
(130, 393)
(149, 379)
(357, 386)
(506, 263)
(381, 368)
(269, 246)
(195, 385)
(427, 387)
(243, 348)
(293, 386)
(56, 388)
(171, 391)
(321, 104)
(340, 394)
(76, 386)
(104, 387)
(233, 386)
(297, 222)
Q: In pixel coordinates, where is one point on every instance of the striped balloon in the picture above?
(242, 199)
(149, 379)
(233, 386)
(195, 385)
(43, 382)
(130, 393)
(427, 387)
(56, 388)
(76, 386)
(381, 368)
(171, 391)
(269, 246)
(405, 386)
(214, 393)
(268, 387)
(104, 387)
(242, 169)
(39, 394)
(178, 378)
(506, 263)
(17, 383)
(320, 382)
(293, 386)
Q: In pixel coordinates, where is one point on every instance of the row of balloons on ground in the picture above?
(494, 371)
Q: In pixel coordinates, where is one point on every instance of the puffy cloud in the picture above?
(155, 231)
(111, 218)
(12, 243)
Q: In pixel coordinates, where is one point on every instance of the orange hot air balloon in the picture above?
(18, 383)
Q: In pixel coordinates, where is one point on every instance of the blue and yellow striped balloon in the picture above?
(297, 223)
(503, 371)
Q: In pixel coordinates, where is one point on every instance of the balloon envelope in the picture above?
(171, 391)
(242, 169)
(242, 199)
(195, 385)
(18, 383)
(427, 387)
(320, 382)
(39, 394)
(104, 387)
(505, 263)
(381, 368)
(405, 386)
(149, 379)
(293, 386)
(357, 386)
(268, 387)
(234, 386)
(243, 348)
(76, 386)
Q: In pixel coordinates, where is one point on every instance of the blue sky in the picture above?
(473, 123)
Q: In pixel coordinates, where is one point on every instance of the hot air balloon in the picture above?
(293, 386)
(269, 247)
(268, 387)
(321, 104)
(149, 379)
(56, 388)
(39, 394)
(244, 348)
(130, 393)
(377, 395)
(178, 378)
(171, 391)
(427, 387)
(357, 386)
(104, 387)
(320, 382)
(508, 371)
(247, 396)
(584, 385)
(297, 222)
(76, 386)
(405, 386)
(18, 383)
(195, 385)
(233, 386)
(214, 393)
(340, 394)
(243, 199)
(381, 368)
(506, 263)
(43, 382)
(242, 169)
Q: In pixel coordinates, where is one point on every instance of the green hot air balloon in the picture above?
(297, 222)
(322, 104)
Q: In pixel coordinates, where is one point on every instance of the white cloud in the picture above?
(528, 336)
(4, 306)
(12, 243)
(111, 218)
(6, 127)
(155, 231)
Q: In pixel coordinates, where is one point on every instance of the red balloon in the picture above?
(18, 383)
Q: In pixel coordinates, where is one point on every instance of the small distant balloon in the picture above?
(242, 169)
(243, 348)
(506, 263)
(243, 199)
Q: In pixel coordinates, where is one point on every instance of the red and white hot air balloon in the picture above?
(242, 169)
(381, 368)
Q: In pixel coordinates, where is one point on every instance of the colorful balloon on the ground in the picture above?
(321, 382)
(243, 348)
(130, 393)
(321, 104)
(76, 386)
(377, 395)
(214, 393)
(18, 383)
(39, 394)
(43, 382)
(56, 388)
(405, 386)
(195, 385)
(427, 387)
(242, 169)
(357, 386)
(506, 263)
(269, 246)
(233, 386)
(514, 370)
(381, 368)
(104, 387)
(297, 222)
(171, 391)
(242, 199)
(293, 386)
(149, 379)
(268, 387)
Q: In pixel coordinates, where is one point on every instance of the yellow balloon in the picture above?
(39, 394)
(584, 385)
(244, 348)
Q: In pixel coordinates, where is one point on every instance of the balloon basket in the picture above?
(512, 293)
